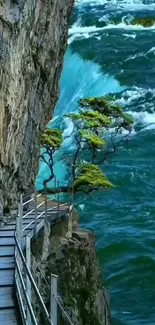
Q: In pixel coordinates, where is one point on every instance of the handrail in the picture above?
(48, 285)
(30, 200)
(28, 213)
(54, 208)
(33, 210)
(20, 298)
(33, 221)
(24, 288)
(26, 295)
(58, 302)
(33, 283)
(37, 267)
(50, 209)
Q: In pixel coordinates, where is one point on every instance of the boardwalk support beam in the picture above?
(28, 282)
(35, 208)
(53, 302)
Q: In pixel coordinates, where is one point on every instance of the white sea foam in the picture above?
(122, 4)
(81, 206)
(139, 55)
(144, 119)
(93, 29)
(130, 98)
(152, 50)
(133, 57)
(77, 36)
(130, 35)
(80, 32)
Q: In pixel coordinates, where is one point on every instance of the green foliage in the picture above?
(94, 102)
(91, 175)
(90, 123)
(106, 107)
(92, 138)
(91, 119)
(73, 116)
(51, 138)
(103, 105)
(145, 22)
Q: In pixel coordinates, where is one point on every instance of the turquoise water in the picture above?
(120, 59)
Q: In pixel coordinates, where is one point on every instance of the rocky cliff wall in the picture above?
(33, 36)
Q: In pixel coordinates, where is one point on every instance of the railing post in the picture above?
(45, 205)
(35, 207)
(28, 282)
(58, 198)
(19, 238)
(53, 302)
(47, 230)
(70, 223)
(20, 220)
(18, 235)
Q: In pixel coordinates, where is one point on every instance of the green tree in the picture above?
(99, 128)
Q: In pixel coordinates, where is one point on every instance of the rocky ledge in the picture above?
(72, 256)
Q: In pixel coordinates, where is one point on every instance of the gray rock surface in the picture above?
(80, 283)
(33, 36)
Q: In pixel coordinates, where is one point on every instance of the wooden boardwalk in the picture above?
(8, 304)
(9, 313)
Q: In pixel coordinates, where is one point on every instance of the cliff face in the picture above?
(33, 36)
(71, 256)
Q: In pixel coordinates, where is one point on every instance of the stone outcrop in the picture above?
(33, 36)
(80, 283)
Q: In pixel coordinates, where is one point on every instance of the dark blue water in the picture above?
(118, 58)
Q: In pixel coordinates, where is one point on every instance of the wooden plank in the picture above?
(6, 277)
(8, 317)
(7, 262)
(6, 300)
(30, 216)
(7, 227)
(7, 251)
(25, 221)
(7, 241)
(7, 233)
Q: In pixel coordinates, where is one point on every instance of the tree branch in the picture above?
(115, 146)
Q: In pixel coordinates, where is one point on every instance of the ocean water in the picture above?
(107, 54)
